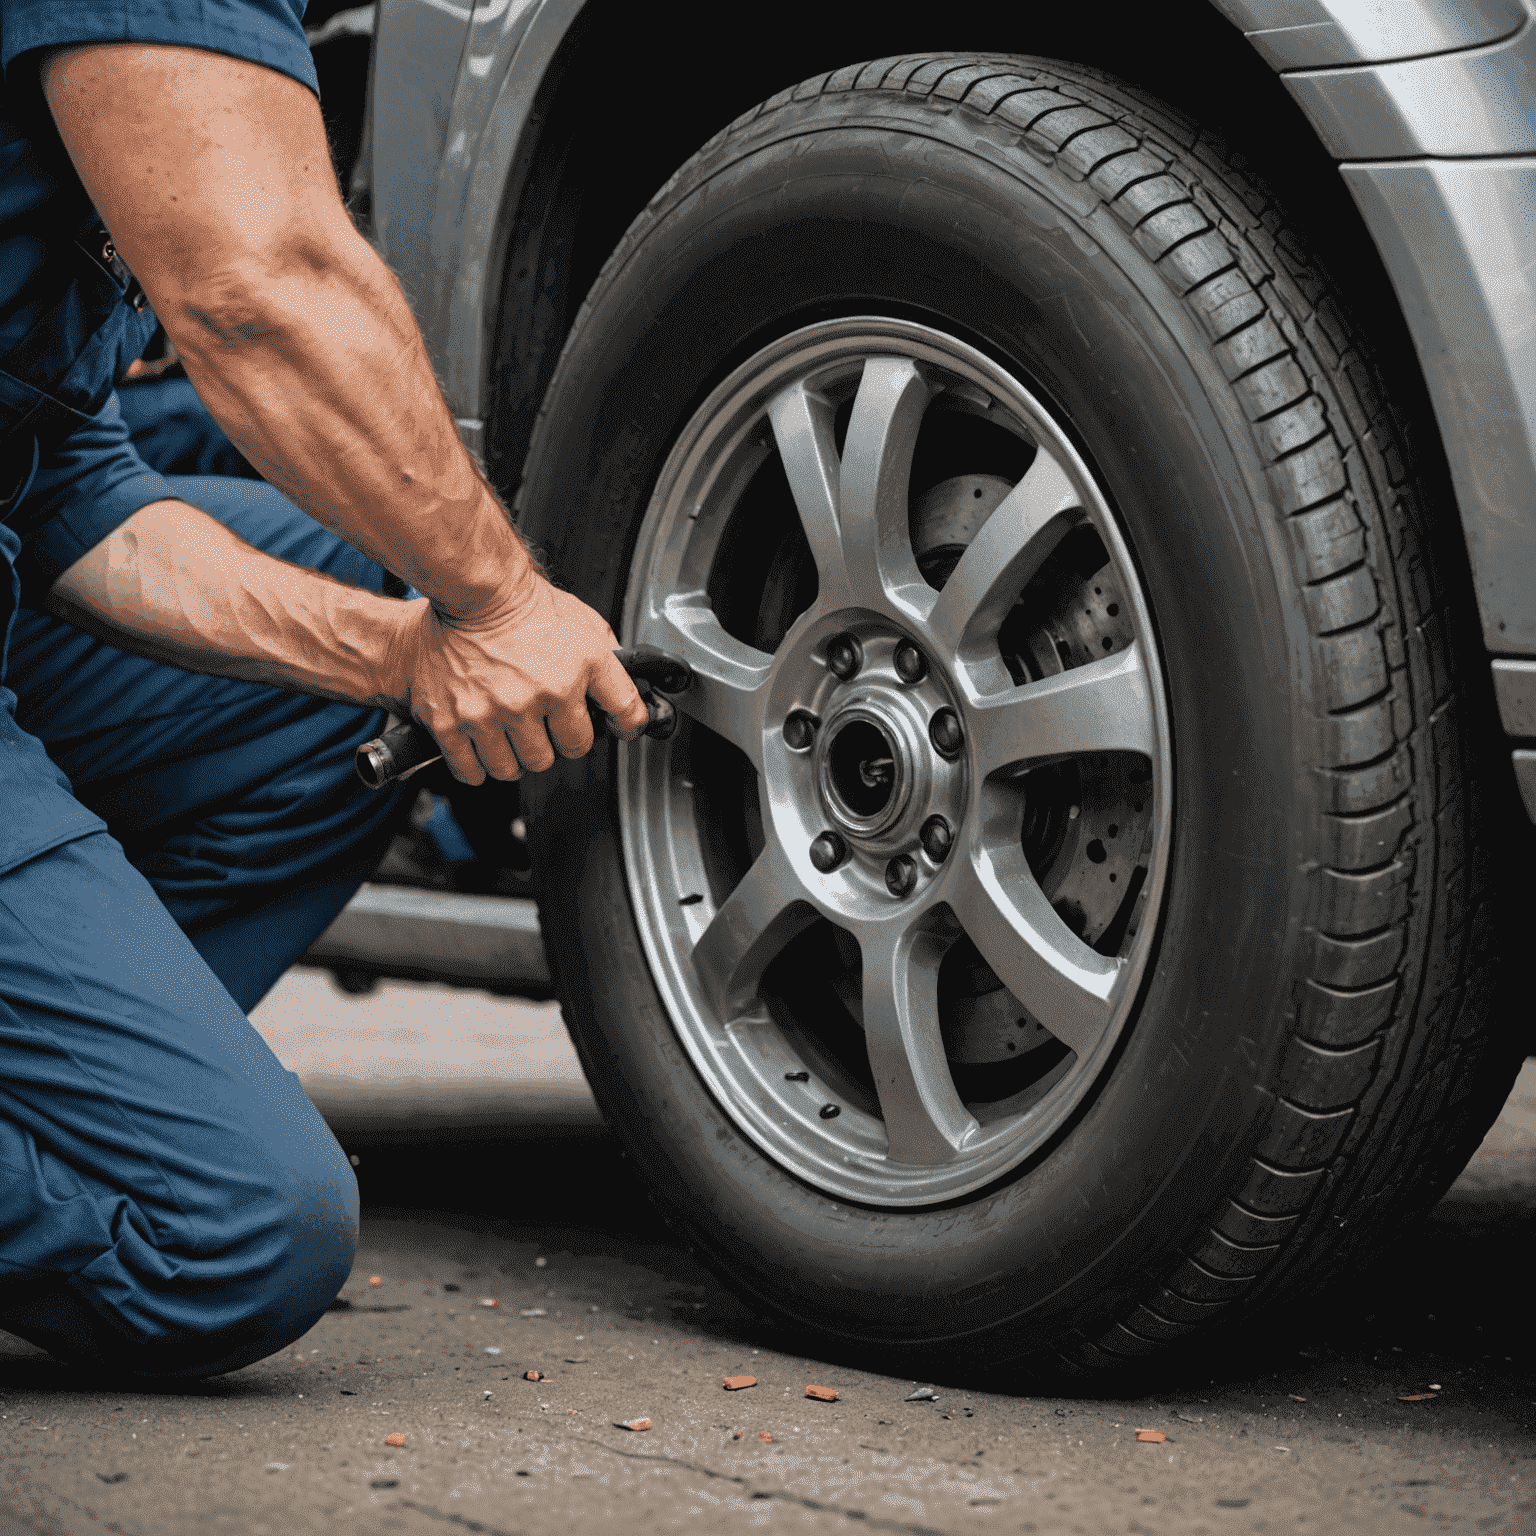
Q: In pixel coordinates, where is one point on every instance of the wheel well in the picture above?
(618, 113)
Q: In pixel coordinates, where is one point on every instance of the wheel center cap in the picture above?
(863, 771)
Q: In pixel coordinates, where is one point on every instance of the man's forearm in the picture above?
(295, 334)
(174, 584)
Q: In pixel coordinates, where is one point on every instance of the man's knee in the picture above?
(271, 1274)
(233, 1287)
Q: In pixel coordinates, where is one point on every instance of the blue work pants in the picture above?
(171, 1204)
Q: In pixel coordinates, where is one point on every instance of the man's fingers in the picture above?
(531, 742)
(614, 693)
(571, 731)
(497, 755)
(459, 754)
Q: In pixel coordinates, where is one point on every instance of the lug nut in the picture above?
(828, 850)
(800, 730)
(900, 875)
(911, 664)
(845, 656)
(945, 733)
(937, 838)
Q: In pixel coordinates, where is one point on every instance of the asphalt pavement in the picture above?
(516, 1301)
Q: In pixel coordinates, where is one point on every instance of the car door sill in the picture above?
(465, 939)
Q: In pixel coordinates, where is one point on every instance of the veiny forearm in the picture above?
(318, 373)
(174, 584)
(214, 177)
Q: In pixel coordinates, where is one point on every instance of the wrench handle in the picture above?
(402, 750)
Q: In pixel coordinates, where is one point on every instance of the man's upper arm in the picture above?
(210, 171)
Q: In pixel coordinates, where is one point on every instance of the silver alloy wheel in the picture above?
(867, 760)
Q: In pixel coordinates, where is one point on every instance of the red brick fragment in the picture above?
(533, 1375)
(395, 1439)
(635, 1424)
(736, 1383)
(822, 1394)
(765, 1437)
(375, 1279)
(1151, 1436)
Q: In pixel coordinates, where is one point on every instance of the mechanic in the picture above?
(189, 663)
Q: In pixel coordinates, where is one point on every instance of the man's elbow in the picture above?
(254, 299)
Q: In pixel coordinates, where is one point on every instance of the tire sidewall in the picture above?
(894, 207)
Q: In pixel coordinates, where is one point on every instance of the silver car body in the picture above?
(1428, 106)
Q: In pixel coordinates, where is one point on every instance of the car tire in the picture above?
(1303, 1054)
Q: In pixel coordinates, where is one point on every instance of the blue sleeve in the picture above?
(269, 32)
(84, 489)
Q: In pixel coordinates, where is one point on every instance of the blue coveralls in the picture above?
(170, 1202)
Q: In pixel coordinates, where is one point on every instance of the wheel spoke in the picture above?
(1064, 983)
(729, 677)
(998, 563)
(925, 1122)
(802, 424)
(765, 911)
(876, 468)
(1104, 706)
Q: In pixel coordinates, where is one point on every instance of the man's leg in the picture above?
(236, 801)
(170, 1202)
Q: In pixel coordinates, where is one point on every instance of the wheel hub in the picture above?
(870, 772)
(863, 771)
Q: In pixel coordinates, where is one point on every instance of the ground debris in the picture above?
(489, 1301)
(1417, 1397)
(765, 1437)
(396, 1439)
(534, 1376)
(526, 1311)
(1151, 1436)
(922, 1395)
(822, 1394)
(634, 1424)
(113, 1477)
(736, 1383)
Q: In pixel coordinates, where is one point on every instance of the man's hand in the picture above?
(505, 693)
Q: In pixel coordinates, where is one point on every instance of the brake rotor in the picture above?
(1085, 826)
